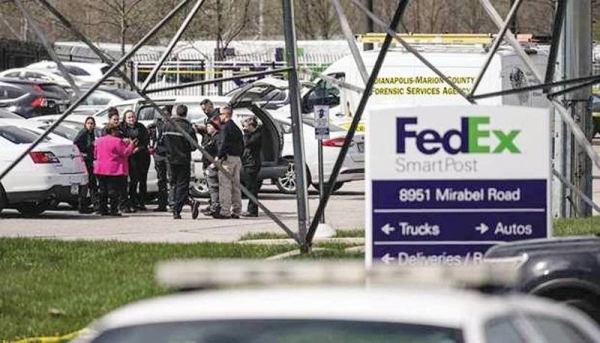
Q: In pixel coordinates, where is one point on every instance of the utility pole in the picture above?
(368, 25)
(576, 61)
(297, 123)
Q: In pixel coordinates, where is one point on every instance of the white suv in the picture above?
(53, 171)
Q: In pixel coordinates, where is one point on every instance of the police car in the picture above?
(382, 312)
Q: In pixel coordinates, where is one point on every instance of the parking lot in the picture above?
(344, 212)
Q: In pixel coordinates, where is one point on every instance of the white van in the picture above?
(403, 79)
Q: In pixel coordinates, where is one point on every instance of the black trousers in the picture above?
(138, 178)
(111, 188)
(92, 186)
(250, 181)
(163, 174)
(180, 183)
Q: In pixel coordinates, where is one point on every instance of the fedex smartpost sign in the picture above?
(446, 183)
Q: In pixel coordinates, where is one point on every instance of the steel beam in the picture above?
(356, 119)
(573, 88)
(351, 41)
(556, 33)
(172, 43)
(496, 45)
(413, 51)
(510, 38)
(536, 87)
(42, 37)
(224, 79)
(576, 190)
(297, 124)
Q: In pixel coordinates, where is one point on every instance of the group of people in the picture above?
(239, 156)
(118, 162)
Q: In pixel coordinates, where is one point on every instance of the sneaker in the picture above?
(249, 214)
(220, 216)
(160, 209)
(195, 209)
(176, 215)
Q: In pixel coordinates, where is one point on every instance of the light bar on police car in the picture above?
(198, 274)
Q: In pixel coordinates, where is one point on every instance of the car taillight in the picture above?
(334, 142)
(43, 157)
(38, 102)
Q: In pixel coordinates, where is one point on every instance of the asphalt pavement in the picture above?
(344, 212)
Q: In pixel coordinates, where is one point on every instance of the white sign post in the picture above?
(446, 183)
(322, 132)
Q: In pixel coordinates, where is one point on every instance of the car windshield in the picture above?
(271, 331)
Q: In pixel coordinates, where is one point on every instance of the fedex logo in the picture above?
(473, 137)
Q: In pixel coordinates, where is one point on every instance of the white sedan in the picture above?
(402, 313)
(353, 168)
(53, 171)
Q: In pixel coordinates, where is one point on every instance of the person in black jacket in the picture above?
(211, 146)
(85, 140)
(229, 155)
(179, 156)
(251, 162)
(161, 165)
(139, 162)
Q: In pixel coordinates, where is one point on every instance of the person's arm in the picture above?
(192, 133)
(125, 149)
(224, 144)
(80, 140)
(254, 141)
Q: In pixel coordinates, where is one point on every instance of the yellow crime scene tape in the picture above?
(57, 339)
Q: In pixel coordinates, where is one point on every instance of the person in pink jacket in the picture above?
(112, 167)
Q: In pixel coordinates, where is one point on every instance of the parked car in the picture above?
(52, 172)
(270, 93)
(44, 75)
(32, 98)
(9, 115)
(275, 309)
(103, 97)
(563, 269)
(353, 168)
(86, 72)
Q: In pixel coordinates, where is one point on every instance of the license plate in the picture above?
(74, 189)
(360, 147)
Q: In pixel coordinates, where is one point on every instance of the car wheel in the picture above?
(200, 189)
(32, 209)
(287, 183)
(3, 201)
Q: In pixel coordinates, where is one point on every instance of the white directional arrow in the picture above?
(387, 259)
(482, 228)
(387, 229)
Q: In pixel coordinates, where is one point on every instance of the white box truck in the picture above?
(404, 80)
